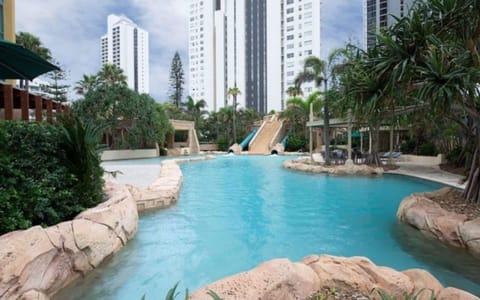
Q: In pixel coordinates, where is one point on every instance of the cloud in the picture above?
(72, 30)
(342, 22)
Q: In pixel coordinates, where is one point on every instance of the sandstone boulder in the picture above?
(38, 262)
(275, 279)
(424, 284)
(304, 165)
(453, 293)
(431, 219)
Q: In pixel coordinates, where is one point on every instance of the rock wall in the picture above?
(283, 279)
(431, 219)
(38, 262)
(304, 166)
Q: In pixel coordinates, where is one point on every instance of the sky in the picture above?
(71, 29)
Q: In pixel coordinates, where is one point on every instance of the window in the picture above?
(290, 28)
(308, 15)
(289, 37)
(308, 33)
(290, 10)
(290, 19)
(290, 55)
(307, 43)
(307, 5)
(290, 46)
(289, 1)
(290, 73)
(308, 52)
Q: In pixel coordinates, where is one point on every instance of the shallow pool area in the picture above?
(235, 212)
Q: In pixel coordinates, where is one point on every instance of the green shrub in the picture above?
(454, 155)
(222, 142)
(48, 174)
(427, 149)
(296, 143)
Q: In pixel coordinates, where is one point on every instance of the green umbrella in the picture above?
(17, 62)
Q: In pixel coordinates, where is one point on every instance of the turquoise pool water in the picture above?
(236, 212)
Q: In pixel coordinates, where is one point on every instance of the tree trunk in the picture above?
(326, 125)
(234, 121)
(472, 190)
(373, 158)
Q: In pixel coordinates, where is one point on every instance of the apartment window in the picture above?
(290, 55)
(308, 23)
(290, 73)
(290, 46)
(289, 1)
(290, 19)
(290, 10)
(307, 5)
(307, 43)
(308, 33)
(290, 65)
(308, 15)
(290, 28)
(290, 37)
(308, 52)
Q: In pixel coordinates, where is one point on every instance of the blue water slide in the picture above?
(244, 143)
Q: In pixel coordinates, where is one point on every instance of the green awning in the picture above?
(17, 62)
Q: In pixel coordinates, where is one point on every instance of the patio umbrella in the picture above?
(17, 62)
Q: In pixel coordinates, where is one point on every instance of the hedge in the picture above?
(48, 173)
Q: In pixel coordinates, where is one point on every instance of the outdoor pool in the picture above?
(235, 212)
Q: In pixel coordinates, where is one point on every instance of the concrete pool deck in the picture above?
(429, 172)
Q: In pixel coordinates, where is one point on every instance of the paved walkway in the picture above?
(429, 172)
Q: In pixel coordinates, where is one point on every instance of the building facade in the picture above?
(126, 46)
(379, 14)
(258, 46)
(7, 20)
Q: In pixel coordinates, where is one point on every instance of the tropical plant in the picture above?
(234, 92)
(86, 84)
(34, 44)
(299, 109)
(176, 80)
(195, 109)
(111, 75)
(56, 87)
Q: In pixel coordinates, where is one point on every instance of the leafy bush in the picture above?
(222, 142)
(428, 149)
(48, 173)
(454, 155)
(295, 143)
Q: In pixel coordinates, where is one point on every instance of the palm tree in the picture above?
(303, 107)
(196, 109)
(315, 70)
(112, 75)
(234, 92)
(86, 84)
(294, 91)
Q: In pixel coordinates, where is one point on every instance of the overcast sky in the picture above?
(72, 30)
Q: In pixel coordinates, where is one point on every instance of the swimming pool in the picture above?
(238, 211)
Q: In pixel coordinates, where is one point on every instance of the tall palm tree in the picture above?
(86, 84)
(315, 70)
(234, 92)
(112, 75)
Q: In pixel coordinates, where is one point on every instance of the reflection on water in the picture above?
(440, 256)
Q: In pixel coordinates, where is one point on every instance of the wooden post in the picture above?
(8, 100)
(49, 110)
(349, 160)
(38, 108)
(25, 105)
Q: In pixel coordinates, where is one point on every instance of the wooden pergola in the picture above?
(13, 100)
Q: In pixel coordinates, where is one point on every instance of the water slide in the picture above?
(267, 136)
(243, 145)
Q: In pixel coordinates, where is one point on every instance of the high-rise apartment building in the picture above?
(257, 45)
(126, 46)
(379, 14)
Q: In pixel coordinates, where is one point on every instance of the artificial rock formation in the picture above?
(38, 262)
(283, 279)
(304, 165)
(431, 219)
